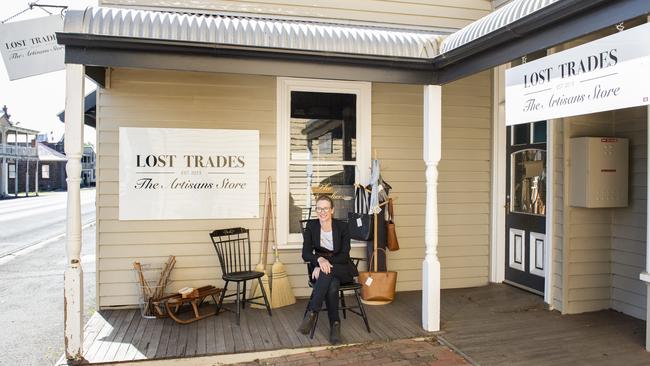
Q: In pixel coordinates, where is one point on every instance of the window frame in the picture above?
(43, 171)
(11, 171)
(363, 140)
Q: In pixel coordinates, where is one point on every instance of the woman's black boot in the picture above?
(307, 322)
(335, 332)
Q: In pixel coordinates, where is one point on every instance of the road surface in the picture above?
(26, 221)
(31, 279)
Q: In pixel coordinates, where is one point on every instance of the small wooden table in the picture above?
(174, 302)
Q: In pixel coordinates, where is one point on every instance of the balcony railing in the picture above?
(18, 151)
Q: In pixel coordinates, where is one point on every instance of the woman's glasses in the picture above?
(322, 209)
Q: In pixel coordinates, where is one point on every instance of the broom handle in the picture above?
(374, 242)
(274, 237)
(265, 226)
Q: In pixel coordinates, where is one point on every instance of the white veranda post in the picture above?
(432, 152)
(73, 280)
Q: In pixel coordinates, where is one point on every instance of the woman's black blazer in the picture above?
(342, 267)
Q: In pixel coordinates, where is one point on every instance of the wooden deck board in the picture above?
(122, 350)
(165, 336)
(133, 351)
(498, 324)
(119, 336)
(104, 333)
(495, 324)
(202, 335)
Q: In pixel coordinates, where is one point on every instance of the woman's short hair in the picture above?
(325, 198)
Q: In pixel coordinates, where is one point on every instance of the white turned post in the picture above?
(5, 178)
(27, 178)
(16, 176)
(432, 153)
(73, 281)
(36, 177)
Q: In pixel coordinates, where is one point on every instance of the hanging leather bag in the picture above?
(378, 286)
(360, 222)
(391, 234)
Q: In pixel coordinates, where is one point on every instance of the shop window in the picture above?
(12, 171)
(520, 135)
(538, 132)
(528, 186)
(323, 148)
(45, 171)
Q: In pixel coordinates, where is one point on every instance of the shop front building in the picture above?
(327, 90)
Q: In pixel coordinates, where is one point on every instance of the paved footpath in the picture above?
(396, 353)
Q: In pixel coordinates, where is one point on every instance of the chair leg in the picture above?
(363, 310)
(223, 294)
(266, 300)
(243, 297)
(313, 328)
(342, 297)
(238, 299)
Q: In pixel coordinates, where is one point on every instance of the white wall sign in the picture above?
(609, 73)
(29, 47)
(174, 173)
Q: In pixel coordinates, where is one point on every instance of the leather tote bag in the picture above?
(378, 286)
(391, 235)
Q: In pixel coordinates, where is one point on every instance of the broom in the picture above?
(261, 266)
(281, 291)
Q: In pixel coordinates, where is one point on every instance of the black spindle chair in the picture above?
(354, 286)
(233, 248)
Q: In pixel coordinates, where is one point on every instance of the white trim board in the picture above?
(498, 212)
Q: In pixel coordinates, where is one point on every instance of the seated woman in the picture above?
(326, 246)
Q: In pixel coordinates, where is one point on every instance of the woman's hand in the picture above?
(325, 265)
(315, 273)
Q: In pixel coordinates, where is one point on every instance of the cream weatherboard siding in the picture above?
(587, 232)
(599, 253)
(139, 98)
(435, 13)
(465, 181)
(629, 224)
(604, 249)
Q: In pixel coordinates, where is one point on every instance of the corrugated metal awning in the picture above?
(252, 32)
(492, 22)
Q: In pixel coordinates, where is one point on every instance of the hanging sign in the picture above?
(29, 47)
(174, 173)
(606, 74)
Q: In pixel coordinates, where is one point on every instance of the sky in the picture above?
(35, 101)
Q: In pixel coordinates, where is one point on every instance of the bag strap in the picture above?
(385, 256)
(390, 210)
(361, 204)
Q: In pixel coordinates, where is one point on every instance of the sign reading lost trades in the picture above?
(173, 173)
(606, 74)
(29, 47)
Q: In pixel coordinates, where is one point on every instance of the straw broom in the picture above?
(261, 266)
(281, 291)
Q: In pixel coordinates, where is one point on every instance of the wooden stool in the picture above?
(174, 302)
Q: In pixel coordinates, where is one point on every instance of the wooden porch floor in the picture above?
(493, 325)
(501, 325)
(123, 335)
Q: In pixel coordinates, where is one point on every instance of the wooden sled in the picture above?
(174, 303)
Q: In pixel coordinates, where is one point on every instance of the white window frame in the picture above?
(364, 122)
(45, 168)
(11, 174)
